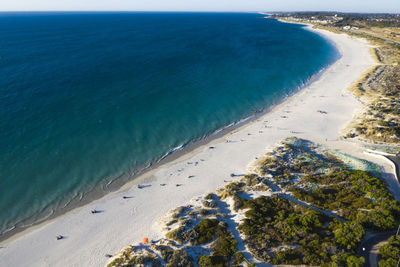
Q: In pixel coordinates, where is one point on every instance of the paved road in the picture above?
(370, 247)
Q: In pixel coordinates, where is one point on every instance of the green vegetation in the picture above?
(238, 258)
(317, 215)
(294, 234)
(354, 195)
(349, 235)
(207, 230)
(296, 157)
(180, 258)
(390, 252)
(380, 91)
(347, 260)
(128, 258)
(222, 248)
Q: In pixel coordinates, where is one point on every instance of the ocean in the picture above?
(87, 99)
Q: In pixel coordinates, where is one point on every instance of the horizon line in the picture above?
(195, 11)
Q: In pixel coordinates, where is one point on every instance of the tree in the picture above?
(353, 261)
(349, 234)
(347, 260)
(390, 252)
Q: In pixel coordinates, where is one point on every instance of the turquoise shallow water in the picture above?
(89, 97)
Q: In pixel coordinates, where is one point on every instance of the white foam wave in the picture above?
(171, 151)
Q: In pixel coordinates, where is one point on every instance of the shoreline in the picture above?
(119, 183)
(103, 188)
(48, 229)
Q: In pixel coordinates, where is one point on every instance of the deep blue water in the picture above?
(88, 97)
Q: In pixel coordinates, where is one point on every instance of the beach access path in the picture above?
(88, 237)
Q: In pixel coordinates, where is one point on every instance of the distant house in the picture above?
(348, 28)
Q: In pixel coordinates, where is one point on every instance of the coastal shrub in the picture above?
(204, 212)
(381, 220)
(208, 204)
(288, 256)
(346, 260)
(165, 251)
(261, 187)
(128, 258)
(238, 202)
(238, 258)
(222, 249)
(349, 235)
(176, 213)
(186, 222)
(224, 246)
(353, 261)
(177, 234)
(234, 188)
(173, 221)
(388, 263)
(355, 195)
(252, 179)
(143, 259)
(283, 222)
(180, 258)
(212, 261)
(207, 230)
(205, 261)
(122, 258)
(390, 252)
(117, 262)
(300, 157)
(382, 87)
(209, 196)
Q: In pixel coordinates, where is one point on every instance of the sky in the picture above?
(390, 6)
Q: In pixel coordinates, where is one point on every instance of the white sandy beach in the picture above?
(121, 221)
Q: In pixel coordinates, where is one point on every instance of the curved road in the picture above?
(371, 246)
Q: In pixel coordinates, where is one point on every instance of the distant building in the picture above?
(348, 28)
